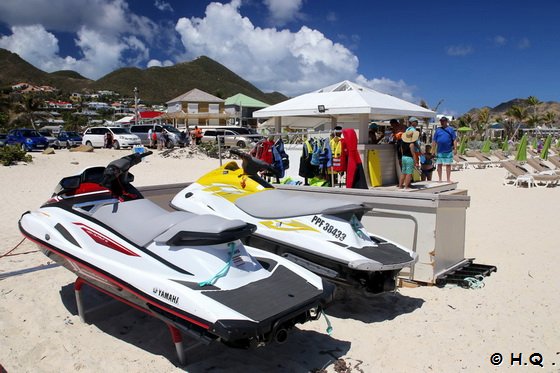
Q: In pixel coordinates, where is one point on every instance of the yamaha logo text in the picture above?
(163, 294)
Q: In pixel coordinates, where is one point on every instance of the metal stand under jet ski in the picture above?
(324, 235)
(190, 271)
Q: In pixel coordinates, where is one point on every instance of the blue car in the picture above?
(27, 139)
(69, 139)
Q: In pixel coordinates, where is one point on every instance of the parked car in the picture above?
(122, 138)
(69, 139)
(236, 136)
(3, 138)
(27, 139)
(176, 138)
(53, 141)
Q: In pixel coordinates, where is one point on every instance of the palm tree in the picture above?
(424, 104)
(549, 117)
(533, 120)
(26, 111)
(482, 120)
(534, 102)
(517, 113)
(465, 120)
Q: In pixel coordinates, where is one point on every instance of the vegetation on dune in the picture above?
(12, 154)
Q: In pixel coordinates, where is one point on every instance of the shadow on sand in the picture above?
(303, 351)
(353, 304)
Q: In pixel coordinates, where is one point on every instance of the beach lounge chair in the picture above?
(459, 163)
(519, 175)
(475, 164)
(542, 168)
(555, 160)
(500, 155)
(487, 162)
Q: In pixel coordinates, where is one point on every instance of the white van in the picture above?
(122, 138)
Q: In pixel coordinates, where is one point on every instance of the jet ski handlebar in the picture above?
(118, 169)
(252, 165)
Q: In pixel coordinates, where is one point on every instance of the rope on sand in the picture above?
(476, 282)
(15, 247)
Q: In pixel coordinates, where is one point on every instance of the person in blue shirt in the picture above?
(445, 139)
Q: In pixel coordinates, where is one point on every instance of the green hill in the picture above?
(156, 85)
(13, 69)
(161, 84)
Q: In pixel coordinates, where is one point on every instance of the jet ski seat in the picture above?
(279, 204)
(142, 221)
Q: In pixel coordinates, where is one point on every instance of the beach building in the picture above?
(98, 105)
(65, 105)
(241, 108)
(196, 108)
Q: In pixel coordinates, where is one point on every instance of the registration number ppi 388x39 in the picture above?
(328, 228)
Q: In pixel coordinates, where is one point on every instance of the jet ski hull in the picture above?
(168, 291)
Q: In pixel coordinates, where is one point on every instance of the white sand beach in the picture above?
(424, 329)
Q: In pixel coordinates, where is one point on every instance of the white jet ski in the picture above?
(191, 271)
(324, 235)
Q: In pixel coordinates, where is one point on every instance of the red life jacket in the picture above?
(264, 151)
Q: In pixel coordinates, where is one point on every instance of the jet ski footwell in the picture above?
(373, 282)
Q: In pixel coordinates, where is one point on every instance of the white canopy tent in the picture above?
(345, 102)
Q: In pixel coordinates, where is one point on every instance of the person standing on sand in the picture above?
(108, 139)
(197, 135)
(409, 157)
(150, 137)
(445, 139)
(153, 139)
(397, 129)
(426, 163)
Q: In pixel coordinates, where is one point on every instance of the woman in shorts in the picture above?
(409, 157)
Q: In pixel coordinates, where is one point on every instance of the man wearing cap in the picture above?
(413, 123)
(445, 139)
(409, 157)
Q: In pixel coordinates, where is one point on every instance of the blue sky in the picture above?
(466, 53)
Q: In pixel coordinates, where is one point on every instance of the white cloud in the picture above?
(332, 17)
(524, 43)
(283, 11)
(159, 63)
(394, 88)
(40, 48)
(459, 50)
(32, 43)
(107, 34)
(289, 62)
(109, 17)
(163, 6)
(499, 40)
